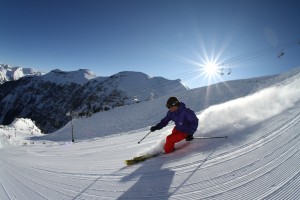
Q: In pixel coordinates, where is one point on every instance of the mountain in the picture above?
(9, 73)
(124, 88)
(47, 98)
(80, 77)
(258, 160)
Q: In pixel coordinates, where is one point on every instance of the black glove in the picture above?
(153, 128)
(189, 138)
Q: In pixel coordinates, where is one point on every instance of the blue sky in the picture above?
(173, 39)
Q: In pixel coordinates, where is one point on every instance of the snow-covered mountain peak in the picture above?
(25, 124)
(137, 84)
(9, 73)
(80, 76)
(132, 74)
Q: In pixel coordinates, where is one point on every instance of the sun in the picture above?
(210, 68)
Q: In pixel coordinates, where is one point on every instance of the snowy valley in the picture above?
(258, 160)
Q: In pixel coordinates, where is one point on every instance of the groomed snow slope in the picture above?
(259, 160)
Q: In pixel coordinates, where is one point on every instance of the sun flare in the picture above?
(211, 69)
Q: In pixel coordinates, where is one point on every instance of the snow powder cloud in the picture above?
(244, 112)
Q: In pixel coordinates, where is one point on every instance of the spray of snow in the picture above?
(154, 149)
(236, 115)
(231, 117)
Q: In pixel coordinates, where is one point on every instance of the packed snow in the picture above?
(258, 160)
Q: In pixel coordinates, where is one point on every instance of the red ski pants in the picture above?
(174, 137)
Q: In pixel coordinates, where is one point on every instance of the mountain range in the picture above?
(9, 73)
(46, 98)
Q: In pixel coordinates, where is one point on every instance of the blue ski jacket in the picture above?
(185, 120)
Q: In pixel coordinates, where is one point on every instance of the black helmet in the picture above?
(172, 101)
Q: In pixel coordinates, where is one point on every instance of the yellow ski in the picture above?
(139, 159)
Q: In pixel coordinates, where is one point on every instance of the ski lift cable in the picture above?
(256, 54)
(232, 61)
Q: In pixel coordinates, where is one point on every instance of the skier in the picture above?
(186, 123)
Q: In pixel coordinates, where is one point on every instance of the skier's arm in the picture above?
(164, 122)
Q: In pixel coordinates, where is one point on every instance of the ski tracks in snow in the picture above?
(254, 170)
(263, 164)
(263, 167)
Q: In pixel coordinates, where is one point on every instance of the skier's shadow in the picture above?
(151, 181)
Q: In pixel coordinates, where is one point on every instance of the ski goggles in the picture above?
(173, 104)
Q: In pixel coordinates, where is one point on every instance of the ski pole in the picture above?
(144, 137)
(210, 137)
